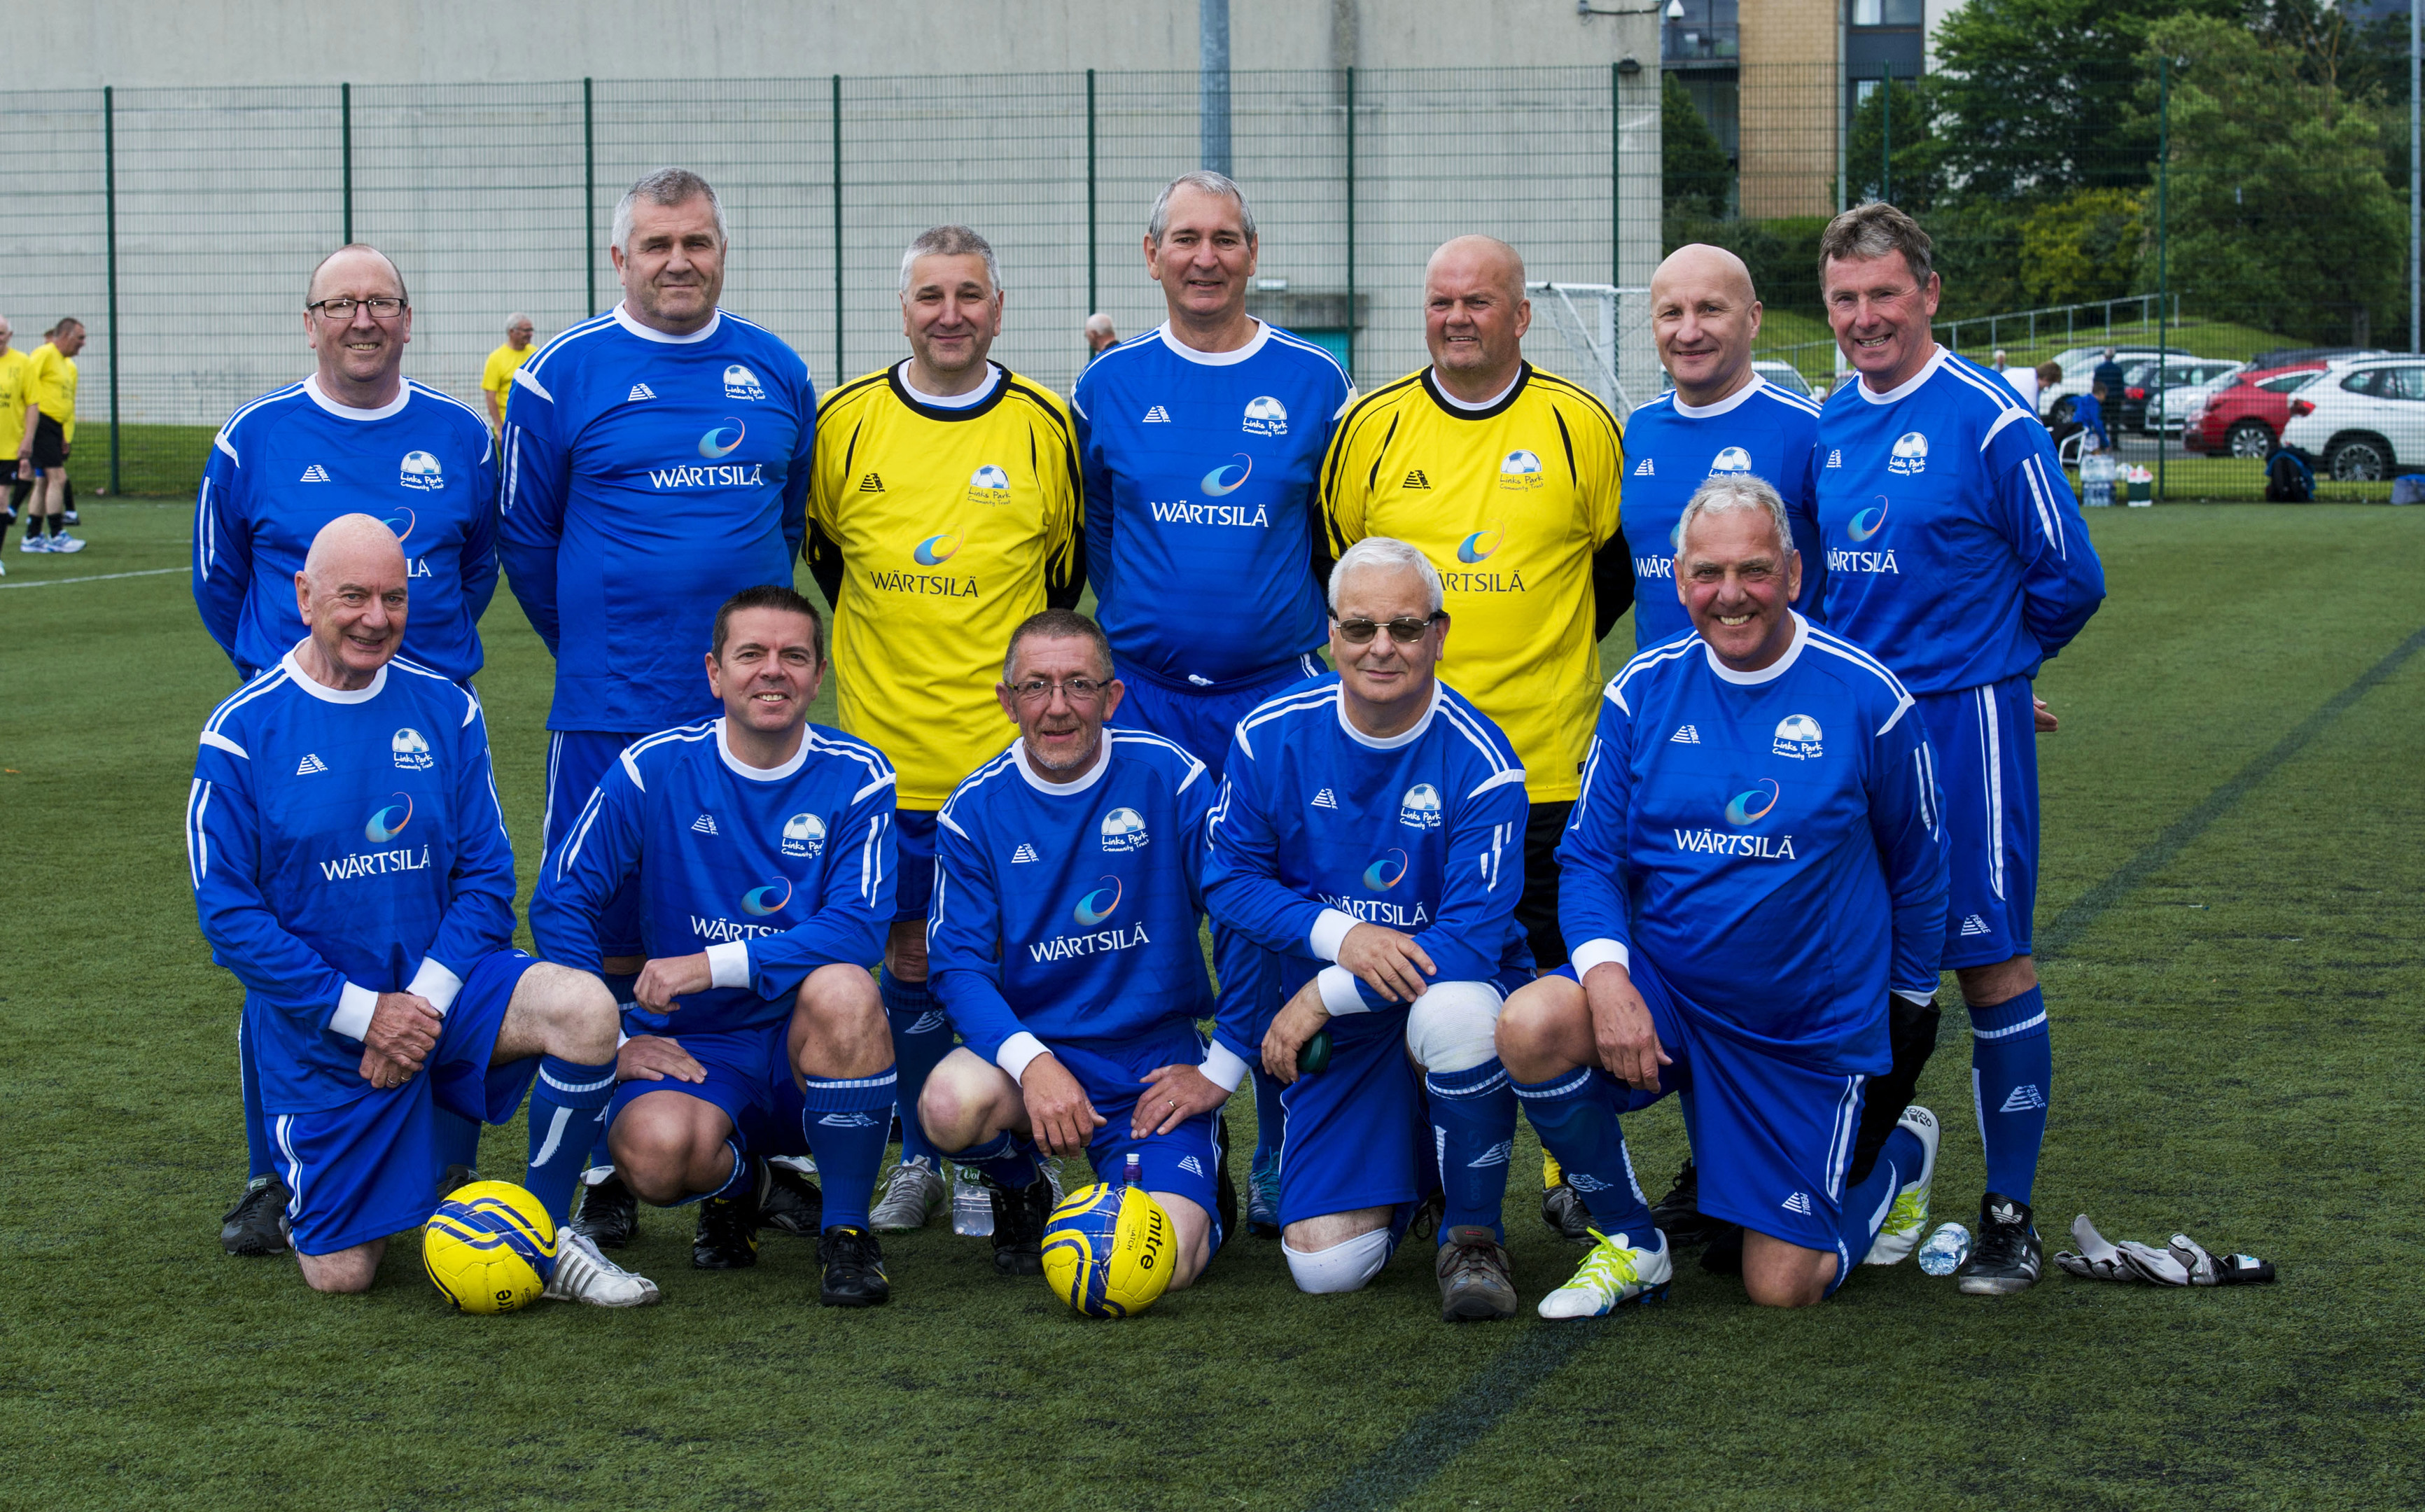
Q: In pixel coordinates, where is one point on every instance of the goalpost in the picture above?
(1605, 333)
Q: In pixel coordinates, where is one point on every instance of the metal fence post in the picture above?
(1886, 124)
(109, 201)
(346, 148)
(1615, 178)
(838, 251)
(1093, 294)
(590, 192)
(1350, 223)
(2163, 180)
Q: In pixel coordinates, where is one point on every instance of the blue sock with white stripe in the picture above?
(622, 984)
(568, 1108)
(2011, 1070)
(1866, 1206)
(922, 1036)
(259, 1154)
(1577, 1117)
(847, 1121)
(1007, 1158)
(1473, 1131)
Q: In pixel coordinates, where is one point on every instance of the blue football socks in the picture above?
(258, 1160)
(922, 1036)
(1271, 1117)
(1007, 1159)
(2012, 1070)
(847, 1121)
(622, 983)
(1577, 1117)
(567, 1107)
(1866, 1206)
(1473, 1121)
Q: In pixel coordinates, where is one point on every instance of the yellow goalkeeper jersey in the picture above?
(13, 365)
(497, 372)
(948, 528)
(51, 386)
(1509, 502)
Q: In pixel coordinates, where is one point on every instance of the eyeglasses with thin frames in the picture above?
(383, 308)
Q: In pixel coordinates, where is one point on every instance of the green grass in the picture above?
(2236, 1038)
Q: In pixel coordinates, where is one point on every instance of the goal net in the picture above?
(1605, 331)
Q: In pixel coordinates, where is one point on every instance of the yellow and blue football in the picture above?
(1108, 1251)
(490, 1247)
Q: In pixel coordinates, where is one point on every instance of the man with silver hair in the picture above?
(1740, 951)
(654, 466)
(1203, 441)
(497, 372)
(945, 510)
(1369, 833)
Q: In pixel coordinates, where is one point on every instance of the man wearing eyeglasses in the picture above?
(1063, 935)
(356, 437)
(1371, 832)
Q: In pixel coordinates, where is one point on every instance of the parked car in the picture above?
(2146, 380)
(2362, 423)
(2304, 356)
(2078, 369)
(1783, 375)
(2245, 417)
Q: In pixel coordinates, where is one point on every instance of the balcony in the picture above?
(1689, 42)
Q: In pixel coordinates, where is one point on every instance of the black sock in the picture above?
(58, 523)
(1911, 1035)
(19, 489)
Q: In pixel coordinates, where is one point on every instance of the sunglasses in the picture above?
(1405, 632)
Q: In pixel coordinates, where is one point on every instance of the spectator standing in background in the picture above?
(2108, 373)
(1100, 337)
(497, 373)
(49, 431)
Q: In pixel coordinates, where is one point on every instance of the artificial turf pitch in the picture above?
(2229, 921)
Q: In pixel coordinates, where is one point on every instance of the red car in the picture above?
(2245, 418)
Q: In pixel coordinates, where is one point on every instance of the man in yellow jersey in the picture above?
(497, 373)
(945, 506)
(1506, 477)
(45, 434)
(12, 423)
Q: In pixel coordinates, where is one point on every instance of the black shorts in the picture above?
(50, 444)
(1536, 911)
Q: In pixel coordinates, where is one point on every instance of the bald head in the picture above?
(351, 592)
(1477, 258)
(1475, 315)
(352, 546)
(357, 268)
(1704, 316)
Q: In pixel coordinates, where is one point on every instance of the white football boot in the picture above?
(1617, 1271)
(583, 1274)
(911, 1198)
(1908, 1219)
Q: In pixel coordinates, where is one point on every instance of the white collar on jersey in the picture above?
(1448, 398)
(1064, 790)
(1255, 344)
(1732, 401)
(714, 323)
(1773, 669)
(1403, 737)
(760, 773)
(1909, 386)
(346, 412)
(326, 694)
(950, 401)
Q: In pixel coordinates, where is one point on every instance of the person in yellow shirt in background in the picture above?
(497, 373)
(1507, 478)
(45, 434)
(12, 422)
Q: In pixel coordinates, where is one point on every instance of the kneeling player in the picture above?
(763, 1034)
(1063, 940)
(1754, 862)
(1376, 819)
(379, 985)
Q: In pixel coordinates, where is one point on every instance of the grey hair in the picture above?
(1872, 230)
(1389, 553)
(313, 280)
(666, 186)
(1211, 182)
(951, 241)
(1733, 493)
(518, 318)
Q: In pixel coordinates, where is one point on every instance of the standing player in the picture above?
(654, 467)
(768, 1023)
(1203, 441)
(1068, 896)
(12, 425)
(1740, 951)
(48, 432)
(1373, 820)
(1507, 478)
(1957, 556)
(497, 372)
(380, 981)
(355, 437)
(947, 509)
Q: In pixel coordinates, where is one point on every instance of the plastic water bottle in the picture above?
(1946, 1249)
(2096, 472)
(1133, 1169)
(971, 1205)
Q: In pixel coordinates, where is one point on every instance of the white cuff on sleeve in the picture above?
(1923, 999)
(1593, 952)
(728, 964)
(1338, 993)
(353, 1016)
(435, 983)
(1329, 932)
(1222, 1067)
(1017, 1052)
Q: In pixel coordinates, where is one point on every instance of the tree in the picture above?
(1695, 174)
(2085, 247)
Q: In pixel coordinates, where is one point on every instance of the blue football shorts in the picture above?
(913, 862)
(370, 1168)
(748, 1078)
(1986, 748)
(576, 758)
(1185, 1161)
(1202, 723)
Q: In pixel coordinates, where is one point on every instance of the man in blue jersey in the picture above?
(355, 437)
(1371, 831)
(1753, 866)
(1957, 556)
(381, 985)
(1203, 441)
(1062, 940)
(655, 462)
(762, 845)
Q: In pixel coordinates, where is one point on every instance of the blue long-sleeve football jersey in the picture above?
(1672, 448)
(1956, 553)
(647, 478)
(292, 461)
(341, 846)
(772, 872)
(1202, 516)
(1068, 913)
(1770, 840)
(1321, 828)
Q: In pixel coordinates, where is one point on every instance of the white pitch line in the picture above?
(97, 577)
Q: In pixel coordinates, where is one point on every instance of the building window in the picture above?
(1888, 13)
